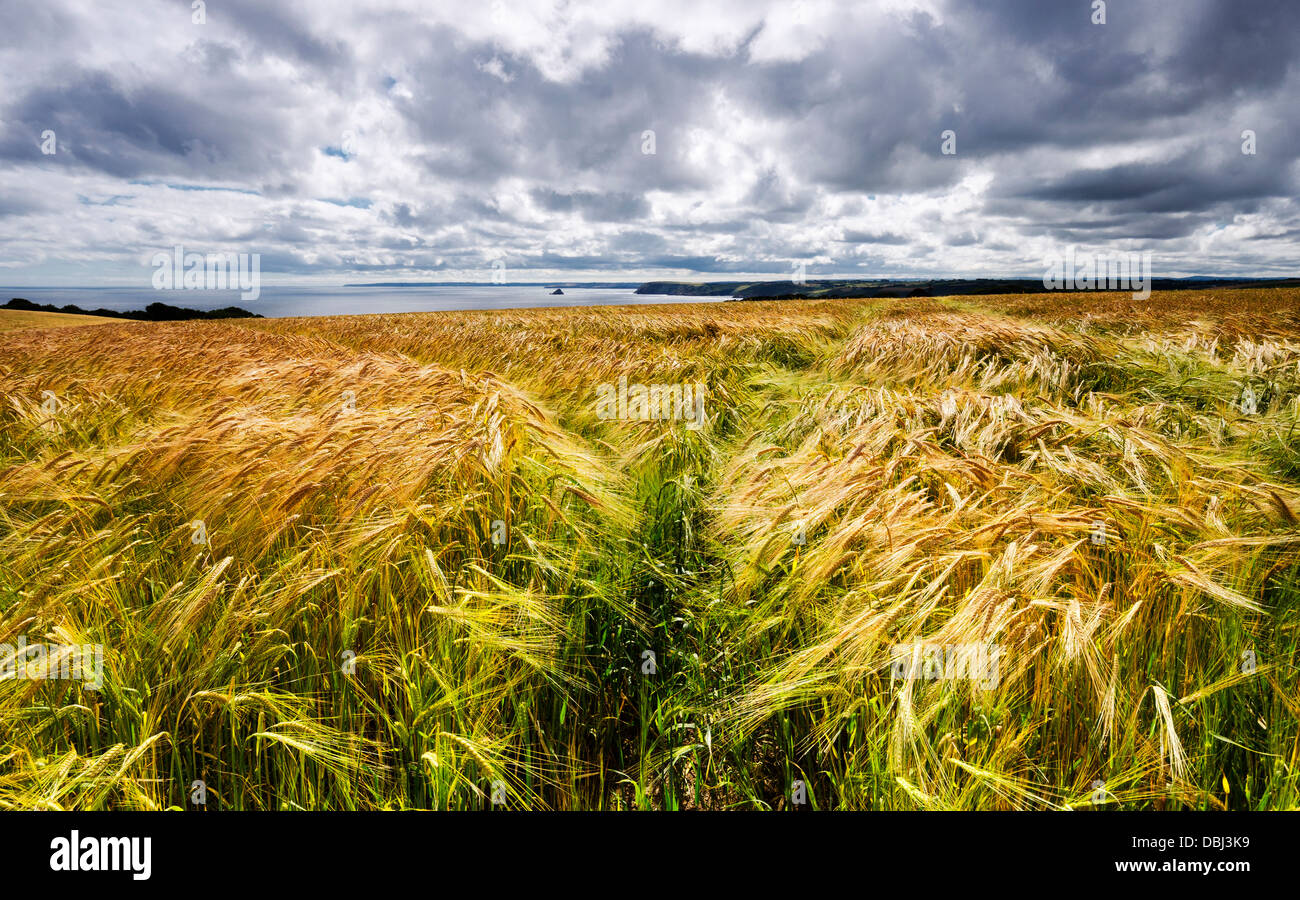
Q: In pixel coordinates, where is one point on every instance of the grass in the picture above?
(399, 561)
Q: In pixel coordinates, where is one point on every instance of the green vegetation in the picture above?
(400, 562)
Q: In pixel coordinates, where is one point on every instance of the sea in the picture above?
(278, 301)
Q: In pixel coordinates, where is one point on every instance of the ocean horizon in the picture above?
(284, 301)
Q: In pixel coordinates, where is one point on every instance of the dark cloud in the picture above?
(594, 206)
(274, 29)
(884, 237)
(433, 139)
(130, 132)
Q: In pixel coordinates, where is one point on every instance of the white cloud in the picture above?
(411, 134)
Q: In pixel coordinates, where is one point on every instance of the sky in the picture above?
(661, 139)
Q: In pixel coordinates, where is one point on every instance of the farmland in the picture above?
(401, 562)
(11, 320)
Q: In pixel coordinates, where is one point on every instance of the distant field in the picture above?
(12, 319)
(405, 561)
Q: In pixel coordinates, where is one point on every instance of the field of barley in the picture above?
(399, 561)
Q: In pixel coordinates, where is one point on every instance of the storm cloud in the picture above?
(404, 140)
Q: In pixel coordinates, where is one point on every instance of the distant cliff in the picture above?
(833, 288)
(825, 289)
